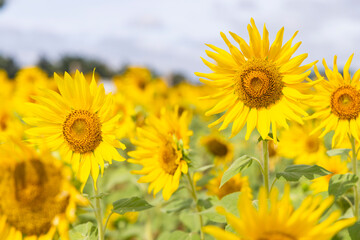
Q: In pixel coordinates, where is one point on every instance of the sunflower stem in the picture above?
(266, 172)
(193, 194)
(354, 168)
(98, 212)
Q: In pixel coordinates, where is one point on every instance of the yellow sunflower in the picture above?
(160, 148)
(37, 198)
(222, 150)
(332, 164)
(235, 184)
(337, 103)
(297, 143)
(277, 220)
(259, 84)
(79, 122)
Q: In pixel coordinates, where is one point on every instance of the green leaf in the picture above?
(133, 204)
(340, 183)
(178, 205)
(204, 168)
(338, 151)
(204, 180)
(176, 235)
(86, 231)
(237, 166)
(295, 172)
(205, 203)
(354, 231)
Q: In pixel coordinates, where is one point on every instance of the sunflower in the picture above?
(79, 122)
(235, 184)
(297, 143)
(277, 220)
(332, 164)
(222, 150)
(37, 198)
(337, 103)
(161, 144)
(259, 84)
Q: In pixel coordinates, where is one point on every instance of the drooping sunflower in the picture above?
(257, 84)
(337, 103)
(37, 197)
(298, 144)
(277, 219)
(79, 122)
(160, 150)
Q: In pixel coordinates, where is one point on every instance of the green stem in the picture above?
(193, 194)
(266, 172)
(98, 212)
(354, 168)
(107, 220)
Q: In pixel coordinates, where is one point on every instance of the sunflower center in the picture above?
(312, 144)
(258, 83)
(277, 236)
(345, 102)
(30, 196)
(217, 148)
(169, 156)
(82, 131)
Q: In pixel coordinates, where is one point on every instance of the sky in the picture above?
(170, 36)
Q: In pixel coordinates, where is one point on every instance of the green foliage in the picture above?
(178, 205)
(341, 183)
(237, 166)
(338, 151)
(176, 235)
(133, 204)
(354, 231)
(86, 231)
(295, 172)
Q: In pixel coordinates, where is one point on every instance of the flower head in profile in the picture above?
(259, 84)
(37, 197)
(79, 122)
(337, 103)
(332, 164)
(161, 145)
(276, 219)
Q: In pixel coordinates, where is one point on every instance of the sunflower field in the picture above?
(263, 147)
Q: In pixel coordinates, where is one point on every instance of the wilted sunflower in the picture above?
(160, 147)
(37, 198)
(276, 219)
(337, 103)
(79, 122)
(259, 84)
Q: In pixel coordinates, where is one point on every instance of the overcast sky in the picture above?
(169, 35)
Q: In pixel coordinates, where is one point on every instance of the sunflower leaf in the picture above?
(354, 231)
(295, 172)
(133, 204)
(86, 231)
(338, 151)
(341, 183)
(236, 167)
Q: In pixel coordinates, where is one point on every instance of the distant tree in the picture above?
(48, 66)
(2, 3)
(177, 78)
(9, 65)
(71, 63)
